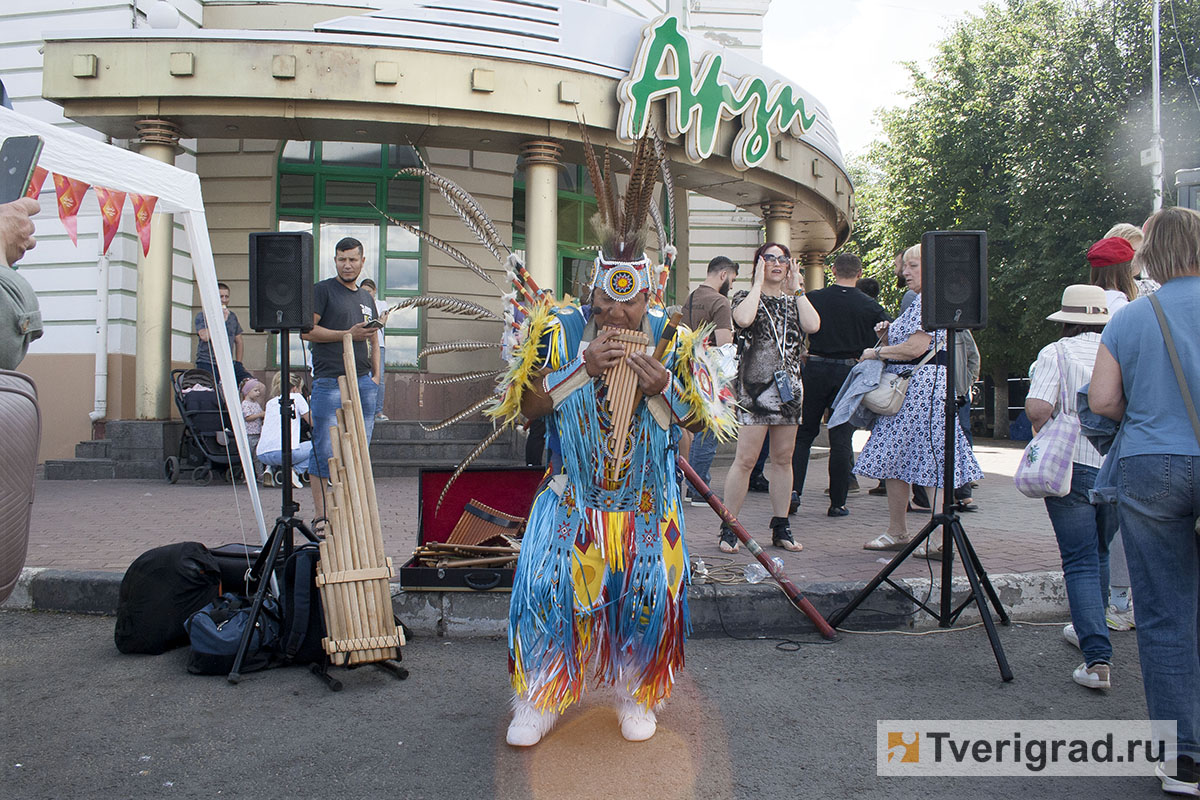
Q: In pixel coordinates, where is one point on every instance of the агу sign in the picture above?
(697, 102)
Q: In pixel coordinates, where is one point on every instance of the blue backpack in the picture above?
(216, 631)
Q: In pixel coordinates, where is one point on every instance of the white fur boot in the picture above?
(528, 724)
(638, 723)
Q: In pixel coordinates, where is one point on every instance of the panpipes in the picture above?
(621, 400)
(353, 573)
(484, 525)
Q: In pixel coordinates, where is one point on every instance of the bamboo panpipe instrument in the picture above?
(354, 572)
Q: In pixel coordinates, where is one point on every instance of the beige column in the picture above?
(542, 158)
(777, 219)
(157, 139)
(814, 270)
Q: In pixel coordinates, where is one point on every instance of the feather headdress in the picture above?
(622, 268)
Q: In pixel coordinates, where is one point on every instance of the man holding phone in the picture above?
(340, 307)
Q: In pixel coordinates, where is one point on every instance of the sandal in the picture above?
(919, 509)
(318, 526)
(728, 540)
(886, 542)
(924, 551)
(781, 535)
(967, 504)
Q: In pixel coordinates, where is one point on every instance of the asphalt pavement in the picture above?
(749, 719)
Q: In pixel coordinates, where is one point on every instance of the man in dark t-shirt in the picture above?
(205, 359)
(339, 307)
(709, 303)
(848, 319)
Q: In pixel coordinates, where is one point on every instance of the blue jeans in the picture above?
(1084, 532)
(704, 448)
(1158, 501)
(301, 457)
(325, 401)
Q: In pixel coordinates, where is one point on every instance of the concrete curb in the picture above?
(716, 609)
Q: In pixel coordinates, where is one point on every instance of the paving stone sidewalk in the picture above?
(104, 525)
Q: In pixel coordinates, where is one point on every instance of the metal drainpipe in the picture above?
(100, 404)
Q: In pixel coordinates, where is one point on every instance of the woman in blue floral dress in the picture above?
(908, 447)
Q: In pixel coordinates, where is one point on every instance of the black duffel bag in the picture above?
(160, 590)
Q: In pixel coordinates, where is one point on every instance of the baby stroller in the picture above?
(207, 445)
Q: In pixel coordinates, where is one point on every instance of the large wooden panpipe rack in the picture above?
(353, 573)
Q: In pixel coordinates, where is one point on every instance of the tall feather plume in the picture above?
(466, 377)
(454, 305)
(597, 177)
(660, 148)
(467, 208)
(474, 408)
(466, 462)
(444, 246)
(655, 214)
(638, 194)
(456, 347)
(609, 188)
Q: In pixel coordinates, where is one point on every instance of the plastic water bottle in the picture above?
(756, 572)
(699, 570)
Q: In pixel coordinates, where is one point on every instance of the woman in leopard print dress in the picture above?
(769, 322)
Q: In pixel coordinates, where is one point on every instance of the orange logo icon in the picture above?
(903, 747)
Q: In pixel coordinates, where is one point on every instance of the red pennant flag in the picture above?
(111, 204)
(35, 186)
(143, 209)
(70, 195)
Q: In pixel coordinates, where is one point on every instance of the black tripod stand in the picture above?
(287, 522)
(952, 534)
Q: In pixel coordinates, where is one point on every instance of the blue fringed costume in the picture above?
(603, 570)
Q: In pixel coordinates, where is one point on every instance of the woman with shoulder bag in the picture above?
(1084, 531)
(908, 447)
(1147, 376)
(769, 321)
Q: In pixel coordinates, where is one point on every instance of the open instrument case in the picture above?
(506, 489)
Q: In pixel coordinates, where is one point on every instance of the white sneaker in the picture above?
(638, 723)
(1179, 785)
(296, 480)
(528, 724)
(1119, 620)
(1070, 636)
(1096, 676)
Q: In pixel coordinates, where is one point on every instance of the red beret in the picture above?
(1106, 252)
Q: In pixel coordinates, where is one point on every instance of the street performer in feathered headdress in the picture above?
(603, 571)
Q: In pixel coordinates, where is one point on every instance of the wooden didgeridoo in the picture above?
(799, 600)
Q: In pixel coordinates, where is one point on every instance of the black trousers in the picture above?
(822, 380)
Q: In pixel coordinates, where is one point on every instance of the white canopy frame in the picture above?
(178, 192)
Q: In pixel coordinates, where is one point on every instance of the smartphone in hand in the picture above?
(18, 157)
(373, 324)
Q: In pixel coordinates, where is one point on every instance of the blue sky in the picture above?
(848, 53)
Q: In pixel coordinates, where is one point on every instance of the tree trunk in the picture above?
(1000, 413)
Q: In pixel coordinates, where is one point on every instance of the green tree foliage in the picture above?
(1029, 124)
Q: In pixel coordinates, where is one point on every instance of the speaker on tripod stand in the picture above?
(281, 272)
(953, 298)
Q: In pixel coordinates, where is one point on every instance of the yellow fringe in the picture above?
(524, 365)
(717, 418)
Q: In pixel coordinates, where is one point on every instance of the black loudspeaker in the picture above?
(281, 281)
(954, 280)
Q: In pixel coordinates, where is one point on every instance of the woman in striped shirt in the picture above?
(1084, 531)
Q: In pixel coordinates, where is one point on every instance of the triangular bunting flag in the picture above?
(143, 209)
(70, 195)
(111, 204)
(35, 185)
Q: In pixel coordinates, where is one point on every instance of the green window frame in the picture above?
(335, 189)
